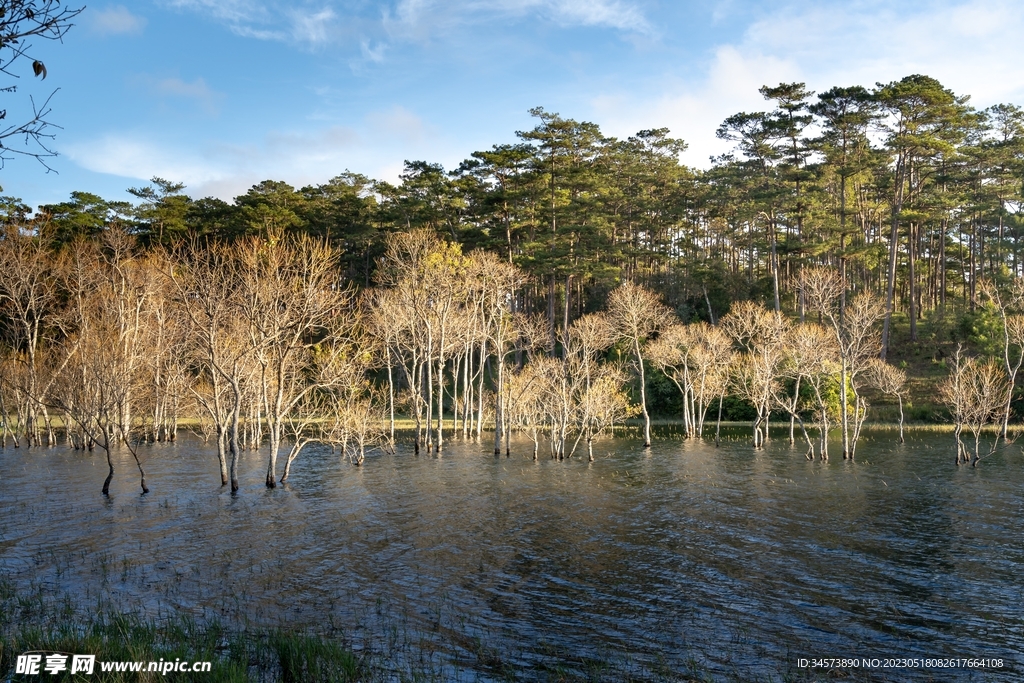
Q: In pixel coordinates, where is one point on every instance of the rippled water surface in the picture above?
(741, 562)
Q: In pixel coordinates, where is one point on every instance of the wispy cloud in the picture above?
(398, 123)
(609, 13)
(693, 111)
(312, 28)
(427, 18)
(220, 168)
(197, 91)
(313, 24)
(194, 93)
(233, 12)
(116, 20)
(131, 156)
(307, 25)
(373, 53)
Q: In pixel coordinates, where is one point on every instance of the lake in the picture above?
(686, 557)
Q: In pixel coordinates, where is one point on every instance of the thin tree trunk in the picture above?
(233, 434)
(900, 399)
(391, 397)
(480, 389)
(890, 291)
(912, 278)
(643, 393)
(110, 473)
(718, 425)
(498, 400)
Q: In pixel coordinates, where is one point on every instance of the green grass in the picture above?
(235, 656)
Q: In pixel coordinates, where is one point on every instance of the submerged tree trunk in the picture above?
(480, 389)
(222, 461)
(499, 395)
(844, 407)
(643, 393)
(110, 473)
(900, 398)
(233, 433)
(718, 424)
(138, 463)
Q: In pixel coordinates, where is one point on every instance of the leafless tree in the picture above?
(102, 385)
(891, 381)
(407, 272)
(527, 410)
(762, 336)
(1010, 307)
(636, 313)
(205, 281)
(503, 328)
(291, 298)
(31, 303)
(974, 391)
(854, 328)
(812, 358)
(603, 403)
(697, 358)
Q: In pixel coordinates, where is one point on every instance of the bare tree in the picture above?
(603, 404)
(891, 381)
(974, 392)
(594, 391)
(206, 284)
(102, 387)
(811, 356)
(854, 329)
(697, 359)
(762, 335)
(502, 327)
(169, 377)
(1009, 308)
(406, 272)
(447, 302)
(636, 313)
(292, 301)
(527, 409)
(380, 321)
(31, 303)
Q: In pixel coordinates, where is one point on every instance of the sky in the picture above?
(221, 94)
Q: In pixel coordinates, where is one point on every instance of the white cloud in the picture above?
(197, 90)
(399, 124)
(971, 46)
(225, 169)
(117, 20)
(230, 11)
(693, 113)
(312, 24)
(312, 28)
(421, 19)
(609, 13)
(135, 157)
(372, 53)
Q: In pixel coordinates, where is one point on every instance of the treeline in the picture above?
(903, 188)
(535, 287)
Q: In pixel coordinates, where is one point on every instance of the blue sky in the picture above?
(220, 94)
